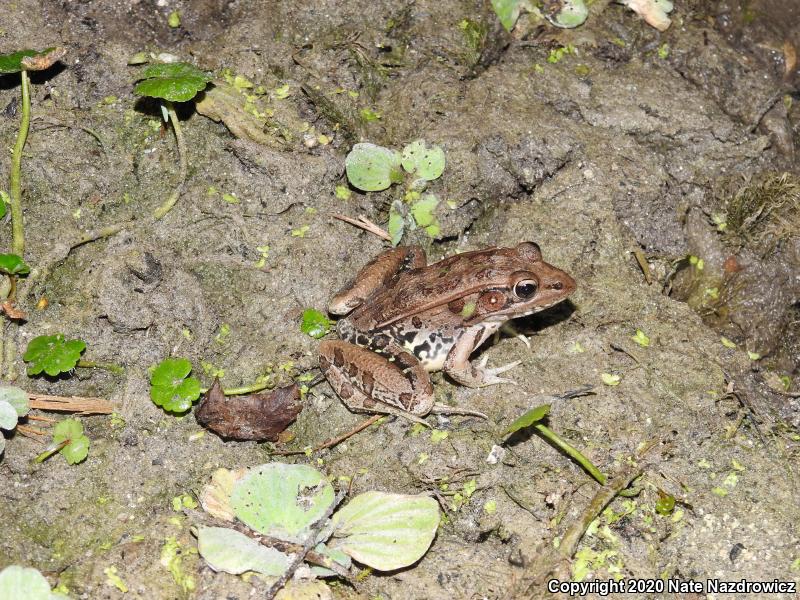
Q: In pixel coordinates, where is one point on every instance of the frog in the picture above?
(403, 318)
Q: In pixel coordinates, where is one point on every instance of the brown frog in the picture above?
(409, 318)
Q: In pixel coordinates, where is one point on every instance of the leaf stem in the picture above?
(173, 198)
(91, 364)
(571, 451)
(18, 232)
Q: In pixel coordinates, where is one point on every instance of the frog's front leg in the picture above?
(369, 382)
(457, 363)
(374, 274)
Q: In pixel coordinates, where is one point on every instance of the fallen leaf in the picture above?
(252, 417)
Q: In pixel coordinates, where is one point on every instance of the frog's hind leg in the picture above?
(375, 274)
(370, 382)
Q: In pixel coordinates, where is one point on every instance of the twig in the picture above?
(310, 542)
(30, 431)
(330, 443)
(363, 223)
(643, 265)
(40, 418)
(77, 404)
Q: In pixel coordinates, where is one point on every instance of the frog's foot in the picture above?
(480, 375)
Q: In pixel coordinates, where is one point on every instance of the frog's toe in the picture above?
(489, 375)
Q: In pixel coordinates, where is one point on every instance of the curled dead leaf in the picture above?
(260, 417)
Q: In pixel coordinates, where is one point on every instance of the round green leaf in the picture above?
(12, 63)
(372, 168)
(314, 323)
(282, 500)
(176, 82)
(20, 582)
(233, 552)
(386, 531)
(396, 225)
(8, 416)
(17, 398)
(426, 163)
(507, 11)
(567, 14)
(67, 429)
(52, 354)
(13, 265)
(170, 388)
(77, 450)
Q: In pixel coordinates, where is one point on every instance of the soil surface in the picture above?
(633, 142)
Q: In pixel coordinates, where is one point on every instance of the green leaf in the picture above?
(12, 63)
(17, 398)
(423, 212)
(529, 418)
(396, 225)
(77, 450)
(8, 417)
(426, 163)
(282, 500)
(5, 200)
(17, 583)
(507, 11)
(67, 429)
(170, 386)
(567, 14)
(13, 265)
(665, 504)
(373, 168)
(177, 82)
(233, 552)
(386, 531)
(52, 354)
(71, 431)
(641, 338)
(314, 323)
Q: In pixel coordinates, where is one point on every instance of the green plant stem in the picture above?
(91, 364)
(247, 389)
(50, 451)
(18, 232)
(571, 451)
(176, 128)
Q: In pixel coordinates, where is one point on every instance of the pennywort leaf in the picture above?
(176, 82)
(171, 388)
(52, 354)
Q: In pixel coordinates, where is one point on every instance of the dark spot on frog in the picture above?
(362, 340)
(416, 322)
(456, 306)
(557, 285)
(368, 383)
(324, 363)
(353, 370)
(405, 400)
(338, 358)
(346, 391)
(424, 347)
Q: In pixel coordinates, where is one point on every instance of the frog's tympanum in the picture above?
(409, 318)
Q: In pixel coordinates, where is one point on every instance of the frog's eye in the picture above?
(525, 289)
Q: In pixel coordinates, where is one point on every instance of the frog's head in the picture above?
(532, 285)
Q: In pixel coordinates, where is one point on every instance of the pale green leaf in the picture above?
(372, 168)
(16, 397)
(8, 416)
(282, 500)
(426, 163)
(386, 531)
(507, 11)
(233, 552)
(20, 583)
(529, 418)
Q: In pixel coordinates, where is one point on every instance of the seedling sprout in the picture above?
(172, 82)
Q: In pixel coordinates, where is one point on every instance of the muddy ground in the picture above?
(634, 141)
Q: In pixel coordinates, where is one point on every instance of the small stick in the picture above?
(363, 223)
(30, 431)
(643, 265)
(78, 404)
(330, 443)
(39, 418)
